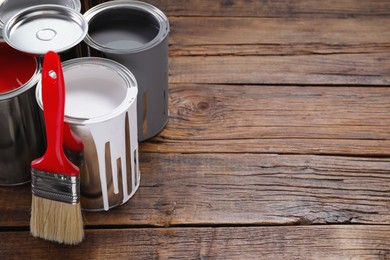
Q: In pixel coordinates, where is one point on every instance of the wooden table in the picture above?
(277, 147)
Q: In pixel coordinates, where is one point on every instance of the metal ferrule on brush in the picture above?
(54, 186)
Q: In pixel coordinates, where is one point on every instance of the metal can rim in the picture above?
(133, 5)
(122, 71)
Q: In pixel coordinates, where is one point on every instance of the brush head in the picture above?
(56, 221)
(55, 209)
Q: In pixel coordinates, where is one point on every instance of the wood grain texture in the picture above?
(325, 51)
(346, 147)
(211, 36)
(276, 119)
(242, 189)
(275, 8)
(338, 69)
(311, 242)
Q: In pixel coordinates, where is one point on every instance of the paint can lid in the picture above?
(43, 28)
(9, 8)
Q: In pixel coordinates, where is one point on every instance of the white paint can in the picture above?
(101, 108)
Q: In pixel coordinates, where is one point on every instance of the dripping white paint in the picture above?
(101, 108)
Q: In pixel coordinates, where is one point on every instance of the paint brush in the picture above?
(55, 210)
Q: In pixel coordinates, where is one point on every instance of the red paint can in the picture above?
(22, 136)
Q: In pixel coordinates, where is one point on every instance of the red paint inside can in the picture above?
(16, 68)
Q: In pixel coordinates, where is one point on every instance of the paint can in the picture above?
(22, 136)
(100, 107)
(135, 34)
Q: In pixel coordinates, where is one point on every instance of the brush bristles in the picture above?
(56, 221)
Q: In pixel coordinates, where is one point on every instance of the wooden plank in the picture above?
(299, 242)
(275, 8)
(346, 147)
(276, 119)
(338, 69)
(200, 36)
(250, 189)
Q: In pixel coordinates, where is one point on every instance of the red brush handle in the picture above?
(72, 141)
(53, 99)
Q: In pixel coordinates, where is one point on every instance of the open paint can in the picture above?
(22, 137)
(101, 109)
(135, 34)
